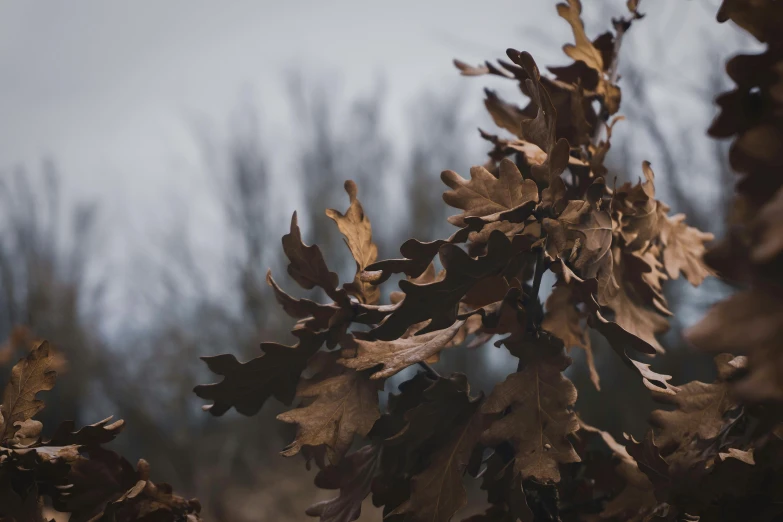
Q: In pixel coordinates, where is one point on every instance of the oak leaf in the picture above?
(683, 249)
(340, 403)
(353, 477)
(306, 264)
(438, 301)
(356, 228)
(398, 354)
(485, 195)
(438, 492)
(700, 408)
(29, 376)
(246, 386)
(539, 401)
(563, 320)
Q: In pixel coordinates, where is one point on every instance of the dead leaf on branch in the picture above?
(632, 315)
(356, 228)
(307, 266)
(539, 401)
(683, 249)
(398, 354)
(440, 440)
(340, 403)
(246, 386)
(438, 301)
(31, 375)
(317, 316)
(437, 493)
(485, 195)
(700, 408)
(564, 320)
(353, 477)
(748, 322)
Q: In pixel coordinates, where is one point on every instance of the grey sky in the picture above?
(109, 89)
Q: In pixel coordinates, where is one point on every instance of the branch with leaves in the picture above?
(71, 470)
(544, 201)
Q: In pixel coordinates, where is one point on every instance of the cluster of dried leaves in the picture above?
(71, 471)
(715, 453)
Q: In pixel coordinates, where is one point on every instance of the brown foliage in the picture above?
(541, 203)
(71, 470)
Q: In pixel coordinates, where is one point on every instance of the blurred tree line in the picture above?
(146, 374)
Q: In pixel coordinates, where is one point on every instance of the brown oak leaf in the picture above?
(353, 477)
(398, 354)
(438, 301)
(538, 400)
(438, 492)
(700, 408)
(356, 228)
(306, 264)
(247, 386)
(484, 194)
(683, 249)
(563, 320)
(29, 376)
(339, 403)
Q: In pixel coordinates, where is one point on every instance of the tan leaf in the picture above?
(31, 375)
(397, 354)
(700, 409)
(748, 322)
(683, 249)
(632, 315)
(340, 403)
(741, 455)
(583, 49)
(484, 194)
(356, 228)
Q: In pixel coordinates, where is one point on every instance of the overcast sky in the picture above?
(110, 89)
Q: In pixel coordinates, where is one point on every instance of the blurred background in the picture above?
(152, 153)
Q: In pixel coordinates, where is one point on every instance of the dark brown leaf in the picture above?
(247, 386)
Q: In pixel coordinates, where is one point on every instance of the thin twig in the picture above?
(431, 372)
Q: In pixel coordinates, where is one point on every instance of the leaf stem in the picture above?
(431, 372)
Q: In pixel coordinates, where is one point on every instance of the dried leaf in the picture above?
(438, 492)
(583, 49)
(356, 228)
(438, 301)
(700, 409)
(353, 477)
(340, 403)
(683, 249)
(539, 401)
(563, 320)
(485, 195)
(307, 266)
(247, 386)
(31, 375)
(397, 354)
